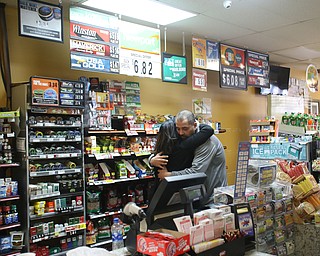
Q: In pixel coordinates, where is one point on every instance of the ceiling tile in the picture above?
(299, 10)
(278, 59)
(242, 14)
(261, 43)
(300, 53)
(206, 27)
(301, 33)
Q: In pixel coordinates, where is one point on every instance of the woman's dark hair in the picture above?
(167, 138)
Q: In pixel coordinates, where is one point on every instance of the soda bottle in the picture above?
(117, 234)
(285, 118)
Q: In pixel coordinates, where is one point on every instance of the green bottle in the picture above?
(292, 119)
(285, 118)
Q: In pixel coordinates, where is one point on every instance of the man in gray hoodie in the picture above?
(209, 157)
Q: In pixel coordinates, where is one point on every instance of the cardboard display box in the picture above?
(156, 246)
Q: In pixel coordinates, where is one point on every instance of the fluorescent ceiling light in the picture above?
(147, 10)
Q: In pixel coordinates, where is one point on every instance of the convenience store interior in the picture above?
(286, 30)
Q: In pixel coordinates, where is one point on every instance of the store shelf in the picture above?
(54, 214)
(10, 226)
(113, 155)
(55, 194)
(11, 253)
(52, 125)
(107, 182)
(73, 228)
(55, 156)
(101, 132)
(9, 165)
(106, 214)
(104, 242)
(55, 172)
(41, 140)
(9, 198)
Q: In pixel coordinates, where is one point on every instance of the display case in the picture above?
(10, 210)
(53, 180)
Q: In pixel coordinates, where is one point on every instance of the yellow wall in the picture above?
(232, 108)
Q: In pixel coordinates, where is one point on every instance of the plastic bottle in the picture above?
(285, 118)
(117, 235)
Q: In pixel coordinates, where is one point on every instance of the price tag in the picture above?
(50, 139)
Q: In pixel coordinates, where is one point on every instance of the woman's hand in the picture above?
(159, 160)
(163, 172)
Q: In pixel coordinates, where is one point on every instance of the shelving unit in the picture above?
(53, 171)
(120, 190)
(9, 221)
(261, 131)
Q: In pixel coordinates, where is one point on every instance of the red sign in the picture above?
(89, 33)
(199, 80)
(89, 48)
(44, 91)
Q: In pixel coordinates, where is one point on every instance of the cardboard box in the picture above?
(154, 247)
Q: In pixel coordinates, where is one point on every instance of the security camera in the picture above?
(227, 4)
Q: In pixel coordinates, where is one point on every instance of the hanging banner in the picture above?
(205, 54)
(312, 78)
(199, 57)
(213, 56)
(232, 67)
(257, 69)
(140, 50)
(199, 80)
(94, 41)
(174, 68)
(40, 20)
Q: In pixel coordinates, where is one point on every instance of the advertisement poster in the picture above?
(201, 106)
(140, 50)
(246, 224)
(312, 78)
(44, 91)
(293, 151)
(213, 56)
(92, 63)
(174, 68)
(199, 57)
(199, 80)
(94, 41)
(232, 67)
(242, 172)
(40, 20)
(257, 69)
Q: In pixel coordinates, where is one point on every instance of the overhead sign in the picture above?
(199, 80)
(94, 41)
(257, 69)
(232, 67)
(40, 20)
(140, 50)
(205, 54)
(174, 68)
